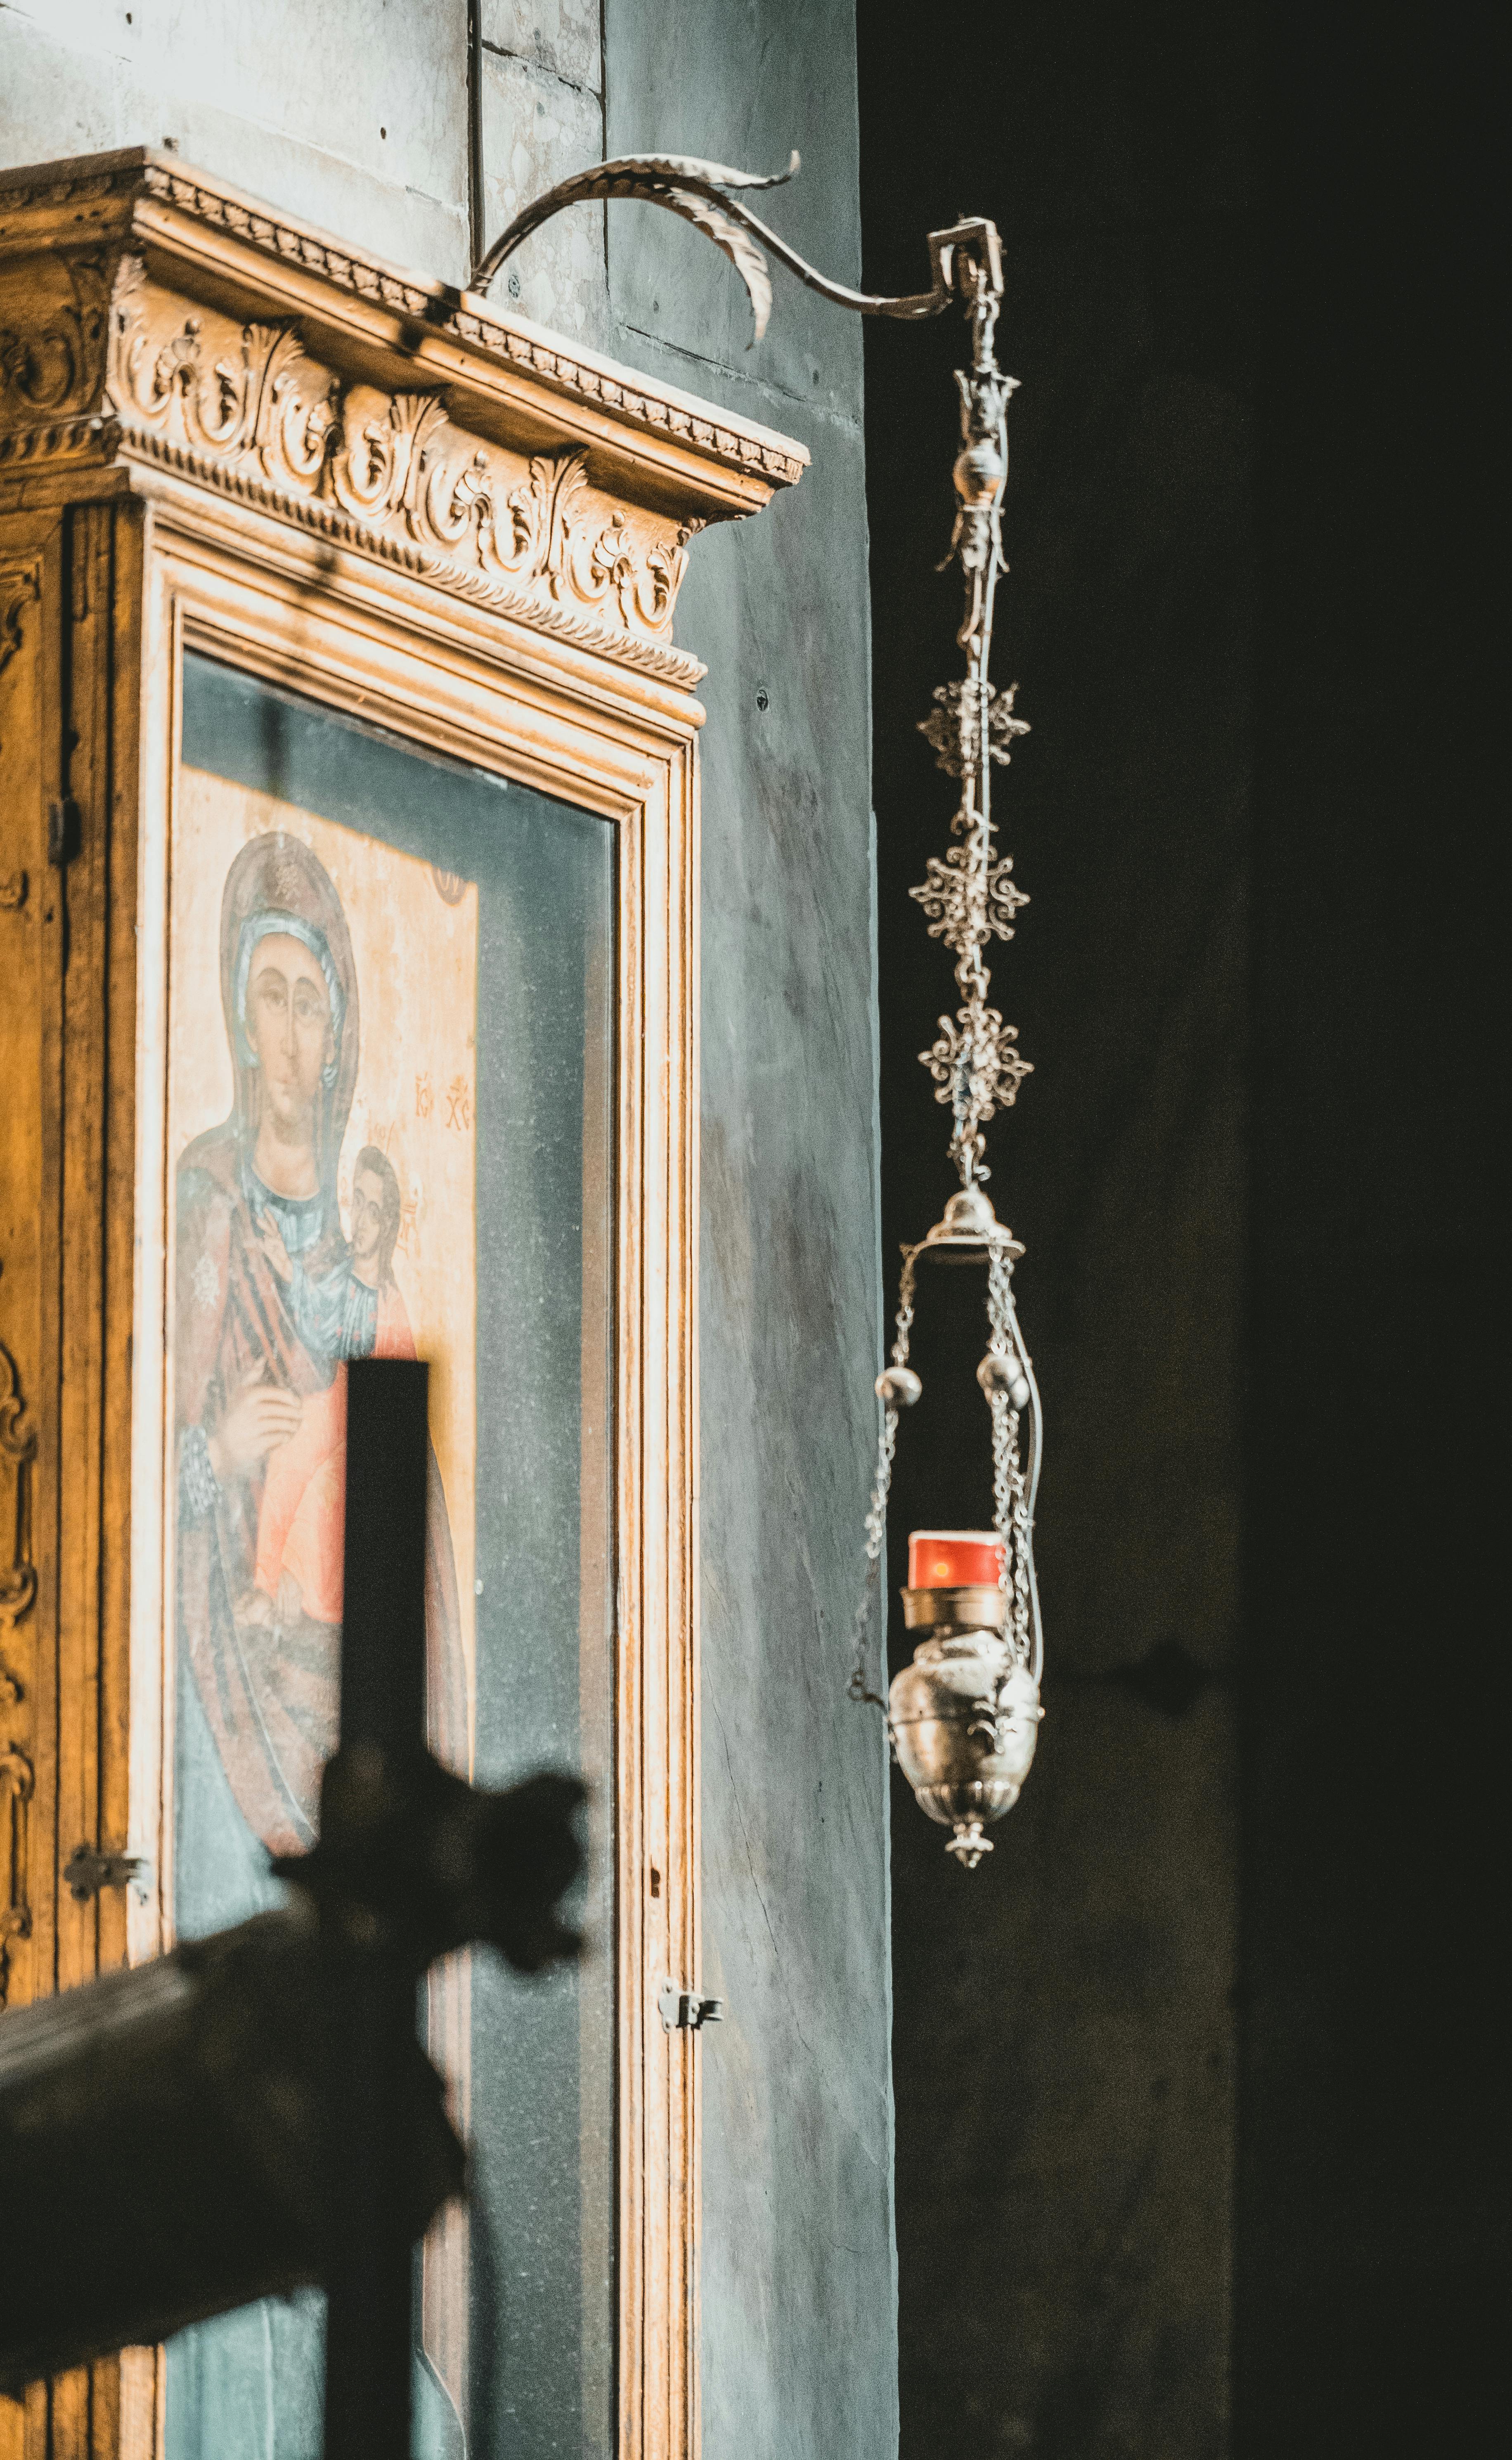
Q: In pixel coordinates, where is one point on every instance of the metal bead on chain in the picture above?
(998, 1375)
(899, 1387)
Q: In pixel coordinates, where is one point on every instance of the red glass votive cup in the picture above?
(954, 1558)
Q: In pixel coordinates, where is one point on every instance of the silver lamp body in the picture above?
(965, 1716)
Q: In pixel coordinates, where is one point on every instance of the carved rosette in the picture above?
(250, 409)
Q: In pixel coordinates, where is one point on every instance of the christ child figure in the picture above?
(376, 1213)
(299, 1532)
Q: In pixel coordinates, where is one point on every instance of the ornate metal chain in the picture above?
(1009, 1495)
(969, 899)
(969, 894)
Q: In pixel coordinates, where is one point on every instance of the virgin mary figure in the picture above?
(270, 1301)
(269, 1307)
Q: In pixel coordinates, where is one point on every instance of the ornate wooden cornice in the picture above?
(151, 316)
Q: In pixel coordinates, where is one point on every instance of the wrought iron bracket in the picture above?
(700, 193)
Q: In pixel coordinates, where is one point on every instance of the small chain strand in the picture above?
(904, 1324)
(877, 1510)
(1021, 1546)
(1010, 1498)
(877, 1516)
(1005, 1447)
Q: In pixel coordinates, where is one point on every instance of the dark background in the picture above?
(1201, 2144)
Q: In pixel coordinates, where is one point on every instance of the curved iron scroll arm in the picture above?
(699, 193)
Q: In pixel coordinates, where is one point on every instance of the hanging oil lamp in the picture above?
(964, 1717)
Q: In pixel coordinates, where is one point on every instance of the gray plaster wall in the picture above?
(357, 115)
(353, 113)
(798, 2349)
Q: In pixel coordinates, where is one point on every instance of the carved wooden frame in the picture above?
(218, 429)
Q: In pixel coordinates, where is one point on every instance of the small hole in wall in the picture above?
(383, 132)
(656, 1881)
(763, 699)
(514, 285)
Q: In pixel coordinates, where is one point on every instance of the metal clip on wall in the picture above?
(687, 2011)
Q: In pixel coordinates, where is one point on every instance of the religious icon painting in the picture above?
(349, 893)
(389, 1104)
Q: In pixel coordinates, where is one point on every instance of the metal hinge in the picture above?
(685, 2010)
(88, 1870)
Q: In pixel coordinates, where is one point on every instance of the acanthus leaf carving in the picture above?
(606, 563)
(465, 509)
(657, 584)
(376, 468)
(269, 413)
(558, 482)
(269, 401)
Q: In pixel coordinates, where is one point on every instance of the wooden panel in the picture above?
(31, 625)
(66, 1207)
(31, 612)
